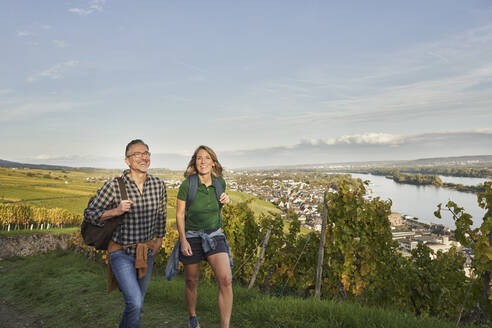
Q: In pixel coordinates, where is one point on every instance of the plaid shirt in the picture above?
(147, 216)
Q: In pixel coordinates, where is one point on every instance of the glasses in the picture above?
(138, 154)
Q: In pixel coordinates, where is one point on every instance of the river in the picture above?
(421, 201)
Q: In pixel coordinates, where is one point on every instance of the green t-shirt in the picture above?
(203, 214)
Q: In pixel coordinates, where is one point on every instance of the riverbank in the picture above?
(421, 201)
(434, 180)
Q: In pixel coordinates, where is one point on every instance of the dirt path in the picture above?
(12, 318)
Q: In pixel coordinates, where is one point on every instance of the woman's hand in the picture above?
(186, 248)
(157, 245)
(224, 198)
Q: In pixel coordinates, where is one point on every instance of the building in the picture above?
(395, 219)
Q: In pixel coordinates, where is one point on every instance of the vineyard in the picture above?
(40, 199)
(13, 216)
(361, 262)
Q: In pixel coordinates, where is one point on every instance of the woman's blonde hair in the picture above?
(216, 168)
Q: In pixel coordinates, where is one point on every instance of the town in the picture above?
(305, 200)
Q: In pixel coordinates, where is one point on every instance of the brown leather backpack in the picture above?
(97, 236)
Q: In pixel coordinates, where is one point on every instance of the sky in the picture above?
(263, 83)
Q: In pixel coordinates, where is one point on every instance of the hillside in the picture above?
(4, 163)
(459, 161)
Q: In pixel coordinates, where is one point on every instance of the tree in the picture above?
(480, 241)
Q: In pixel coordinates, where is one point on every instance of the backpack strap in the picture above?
(121, 184)
(218, 191)
(123, 193)
(192, 190)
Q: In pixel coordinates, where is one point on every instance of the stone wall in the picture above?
(27, 245)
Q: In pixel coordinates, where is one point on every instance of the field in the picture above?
(42, 188)
(72, 189)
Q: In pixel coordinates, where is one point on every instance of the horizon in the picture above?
(264, 84)
(267, 167)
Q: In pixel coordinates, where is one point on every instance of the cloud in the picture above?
(239, 118)
(356, 139)
(434, 80)
(81, 12)
(75, 160)
(365, 147)
(47, 157)
(55, 72)
(190, 67)
(439, 56)
(23, 34)
(375, 146)
(12, 111)
(93, 6)
(60, 43)
(173, 161)
(429, 96)
(349, 148)
(6, 91)
(371, 139)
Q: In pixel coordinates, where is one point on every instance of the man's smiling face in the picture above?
(138, 158)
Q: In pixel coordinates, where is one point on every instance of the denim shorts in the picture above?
(197, 250)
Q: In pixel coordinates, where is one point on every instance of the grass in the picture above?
(258, 206)
(65, 289)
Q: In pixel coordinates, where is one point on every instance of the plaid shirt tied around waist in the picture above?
(147, 217)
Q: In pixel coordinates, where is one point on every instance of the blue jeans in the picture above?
(123, 267)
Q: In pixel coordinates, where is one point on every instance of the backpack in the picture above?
(97, 236)
(193, 188)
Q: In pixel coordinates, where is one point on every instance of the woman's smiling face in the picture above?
(204, 162)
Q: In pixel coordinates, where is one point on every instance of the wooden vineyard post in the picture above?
(321, 251)
(262, 253)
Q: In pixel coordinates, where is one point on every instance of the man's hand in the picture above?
(124, 206)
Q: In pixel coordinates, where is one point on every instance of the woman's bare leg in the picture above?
(222, 269)
(191, 285)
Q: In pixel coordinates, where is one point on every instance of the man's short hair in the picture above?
(135, 142)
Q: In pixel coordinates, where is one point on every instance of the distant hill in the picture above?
(10, 164)
(459, 161)
(485, 160)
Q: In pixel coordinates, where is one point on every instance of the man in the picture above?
(143, 218)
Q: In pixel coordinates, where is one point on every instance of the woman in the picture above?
(200, 234)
